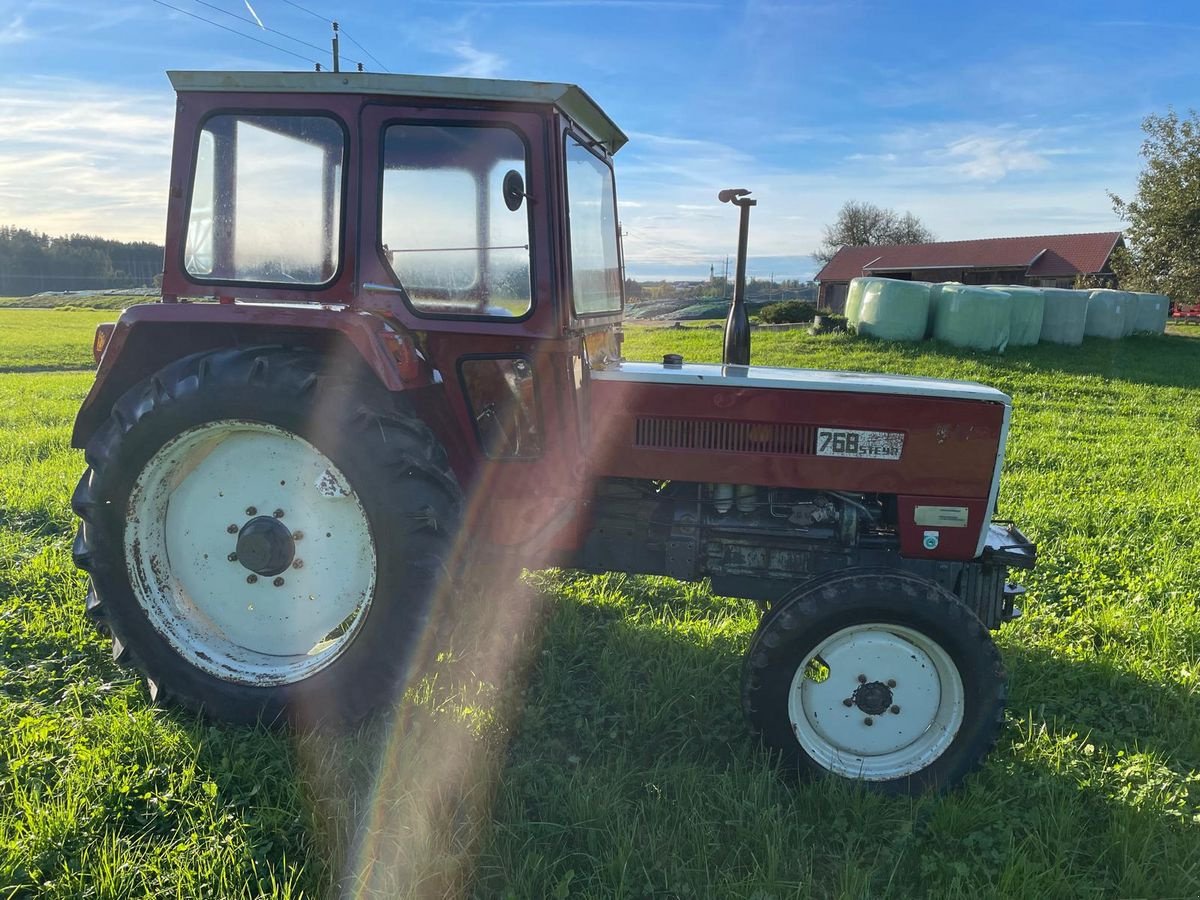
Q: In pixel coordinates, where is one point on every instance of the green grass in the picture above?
(40, 340)
(69, 301)
(623, 768)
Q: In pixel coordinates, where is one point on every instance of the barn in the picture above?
(1046, 260)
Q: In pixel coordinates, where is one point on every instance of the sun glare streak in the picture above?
(435, 763)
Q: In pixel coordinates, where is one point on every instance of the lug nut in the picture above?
(232, 529)
(251, 511)
(278, 582)
(251, 578)
(848, 702)
(298, 564)
(868, 721)
(891, 682)
(278, 514)
(862, 679)
(232, 557)
(895, 709)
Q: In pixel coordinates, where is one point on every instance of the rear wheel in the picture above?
(265, 539)
(876, 676)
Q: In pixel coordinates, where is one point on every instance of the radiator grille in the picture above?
(733, 437)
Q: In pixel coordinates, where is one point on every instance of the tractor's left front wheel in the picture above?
(264, 538)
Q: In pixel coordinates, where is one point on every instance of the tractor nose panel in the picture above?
(934, 445)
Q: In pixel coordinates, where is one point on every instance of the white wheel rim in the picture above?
(185, 516)
(867, 665)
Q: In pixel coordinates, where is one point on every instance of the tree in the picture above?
(1163, 253)
(864, 224)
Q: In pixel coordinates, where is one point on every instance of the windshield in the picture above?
(592, 213)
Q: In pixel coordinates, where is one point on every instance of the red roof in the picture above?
(1045, 255)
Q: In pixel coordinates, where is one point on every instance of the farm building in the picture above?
(1047, 260)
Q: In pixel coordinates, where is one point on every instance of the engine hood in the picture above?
(798, 380)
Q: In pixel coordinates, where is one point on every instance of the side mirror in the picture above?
(513, 189)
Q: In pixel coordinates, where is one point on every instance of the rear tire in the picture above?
(875, 676)
(265, 539)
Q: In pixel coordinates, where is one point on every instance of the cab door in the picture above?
(456, 245)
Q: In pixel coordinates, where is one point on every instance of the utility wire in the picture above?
(309, 11)
(235, 31)
(350, 38)
(321, 50)
(347, 34)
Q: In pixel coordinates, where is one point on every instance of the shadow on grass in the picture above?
(622, 767)
(44, 369)
(1107, 705)
(604, 754)
(1163, 361)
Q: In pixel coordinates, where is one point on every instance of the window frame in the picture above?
(588, 144)
(343, 202)
(386, 267)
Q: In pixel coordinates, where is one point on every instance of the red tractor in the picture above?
(415, 351)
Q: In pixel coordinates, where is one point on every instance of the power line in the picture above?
(350, 38)
(235, 31)
(347, 34)
(321, 50)
(309, 11)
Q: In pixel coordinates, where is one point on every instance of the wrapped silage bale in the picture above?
(1028, 309)
(894, 310)
(854, 296)
(973, 317)
(1106, 314)
(1128, 309)
(1064, 316)
(1153, 310)
(935, 293)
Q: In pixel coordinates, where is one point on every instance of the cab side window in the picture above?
(447, 234)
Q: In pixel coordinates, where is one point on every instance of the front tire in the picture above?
(265, 538)
(875, 676)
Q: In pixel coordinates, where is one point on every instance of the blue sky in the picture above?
(983, 119)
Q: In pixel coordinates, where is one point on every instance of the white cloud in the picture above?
(80, 159)
(473, 62)
(991, 158)
(14, 32)
(963, 179)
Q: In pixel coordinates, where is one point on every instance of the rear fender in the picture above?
(148, 337)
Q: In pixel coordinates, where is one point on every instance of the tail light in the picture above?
(100, 341)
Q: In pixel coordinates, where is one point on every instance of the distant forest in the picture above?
(31, 263)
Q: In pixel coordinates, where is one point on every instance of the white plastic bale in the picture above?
(1028, 309)
(894, 310)
(854, 297)
(1064, 316)
(1107, 312)
(973, 317)
(935, 293)
(1153, 311)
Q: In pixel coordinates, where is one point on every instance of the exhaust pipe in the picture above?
(737, 326)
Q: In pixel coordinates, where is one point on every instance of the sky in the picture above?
(983, 119)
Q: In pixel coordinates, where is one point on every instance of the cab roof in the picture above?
(568, 98)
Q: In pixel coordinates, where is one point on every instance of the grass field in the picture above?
(74, 301)
(623, 767)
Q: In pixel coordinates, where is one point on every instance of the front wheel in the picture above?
(265, 538)
(876, 676)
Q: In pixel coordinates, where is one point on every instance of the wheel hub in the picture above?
(265, 546)
(873, 698)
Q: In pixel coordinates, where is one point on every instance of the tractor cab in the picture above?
(442, 202)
